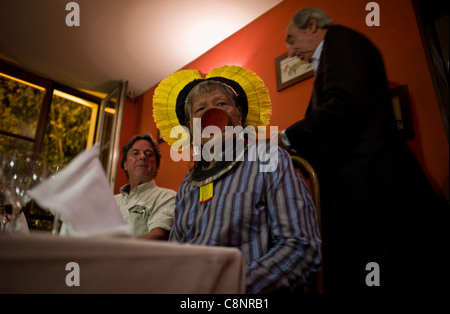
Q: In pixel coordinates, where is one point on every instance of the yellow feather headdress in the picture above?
(167, 97)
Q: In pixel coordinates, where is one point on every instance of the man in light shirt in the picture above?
(146, 207)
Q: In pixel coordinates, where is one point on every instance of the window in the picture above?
(40, 115)
(70, 128)
(20, 105)
(57, 121)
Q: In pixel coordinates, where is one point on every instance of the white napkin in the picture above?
(81, 194)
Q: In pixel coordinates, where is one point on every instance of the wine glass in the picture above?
(56, 214)
(20, 171)
(4, 208)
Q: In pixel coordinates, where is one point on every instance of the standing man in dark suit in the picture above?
(376, 201)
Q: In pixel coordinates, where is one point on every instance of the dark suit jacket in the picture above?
(348, 134)
(377, 204)
(350, 110)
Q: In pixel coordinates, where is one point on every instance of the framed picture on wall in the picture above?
(291, 70)
(402, 111)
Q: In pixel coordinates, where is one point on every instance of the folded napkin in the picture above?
(80, 193)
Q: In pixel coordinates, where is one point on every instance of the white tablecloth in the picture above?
(37, 263)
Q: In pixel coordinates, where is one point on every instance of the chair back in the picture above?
(311, 179)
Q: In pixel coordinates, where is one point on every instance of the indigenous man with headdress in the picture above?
(229, 199)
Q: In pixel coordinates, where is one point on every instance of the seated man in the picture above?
(232, 199)
(144, 205)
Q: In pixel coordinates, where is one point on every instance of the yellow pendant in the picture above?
(206, 192)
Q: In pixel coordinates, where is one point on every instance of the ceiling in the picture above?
(139, 41)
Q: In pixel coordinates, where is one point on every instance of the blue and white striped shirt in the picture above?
(269, 216)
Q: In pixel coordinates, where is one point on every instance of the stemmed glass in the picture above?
(4, 221)
(56, 215)
(20, 171)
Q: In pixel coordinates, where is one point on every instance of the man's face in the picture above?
(215, 99)
(141, 162)
(299, 42)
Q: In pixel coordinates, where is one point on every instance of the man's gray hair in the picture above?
(304, 16)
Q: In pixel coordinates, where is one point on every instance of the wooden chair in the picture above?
(310, 176)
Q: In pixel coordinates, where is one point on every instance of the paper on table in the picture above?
(81, 194)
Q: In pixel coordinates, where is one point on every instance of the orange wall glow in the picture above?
(257, 45)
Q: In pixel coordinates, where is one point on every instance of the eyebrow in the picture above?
(217, 98)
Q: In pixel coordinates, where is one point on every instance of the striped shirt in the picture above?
(269, 216)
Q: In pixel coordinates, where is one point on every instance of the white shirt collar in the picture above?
(316, 57)
(143, 186)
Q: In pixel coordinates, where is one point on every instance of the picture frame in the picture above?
(402, 111)
(291, 70)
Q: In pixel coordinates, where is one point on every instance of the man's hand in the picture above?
(281, 143)
(156, 234)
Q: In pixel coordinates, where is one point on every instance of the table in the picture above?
(41, 263)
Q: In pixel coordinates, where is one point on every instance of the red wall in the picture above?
(257, 45)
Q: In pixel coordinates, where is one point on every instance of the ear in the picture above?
(313, 25)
